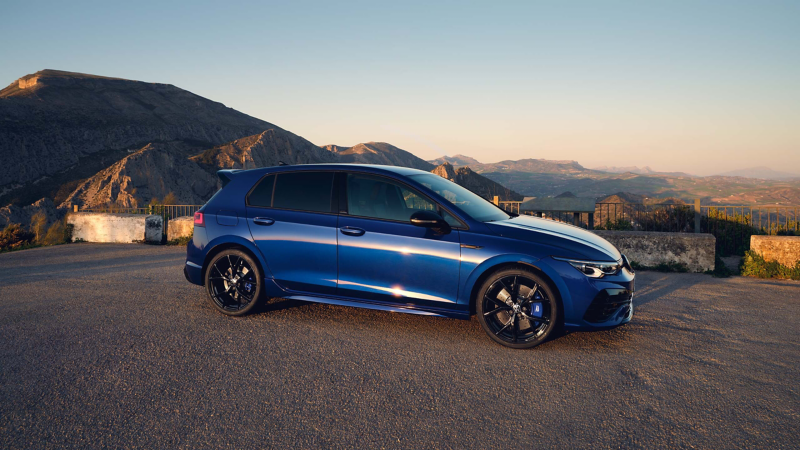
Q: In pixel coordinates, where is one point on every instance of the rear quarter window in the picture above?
(261, 195)
(303, 191)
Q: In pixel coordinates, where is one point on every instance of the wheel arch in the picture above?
(528, 265)
(233, 245)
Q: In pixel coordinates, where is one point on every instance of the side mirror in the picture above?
(430, 219)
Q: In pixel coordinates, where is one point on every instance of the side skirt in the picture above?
(272, 289)
(406, 309)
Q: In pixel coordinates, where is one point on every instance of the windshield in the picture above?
(476, 206)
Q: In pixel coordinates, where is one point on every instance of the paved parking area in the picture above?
(107, 346)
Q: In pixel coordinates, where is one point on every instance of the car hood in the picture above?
(576, 242)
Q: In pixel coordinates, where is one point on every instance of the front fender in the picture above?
(475, 272)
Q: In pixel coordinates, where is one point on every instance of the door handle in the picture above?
(352, 231)
(263, 221)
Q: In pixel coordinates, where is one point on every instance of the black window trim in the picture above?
(334, 190)
(343, 186)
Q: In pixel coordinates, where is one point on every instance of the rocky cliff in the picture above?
(264, 150)
(379, 153)
(475, 182)
(159, 169)
(58, 127)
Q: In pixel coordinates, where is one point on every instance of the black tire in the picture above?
(517, 308)
(234, 283)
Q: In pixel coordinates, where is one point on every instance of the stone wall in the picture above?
(650, 248)
(180, 227)
(784, 249)
(122, 228)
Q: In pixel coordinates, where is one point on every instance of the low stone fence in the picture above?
(651, 248)
(121, 228)
(180, 227)
(784, 249)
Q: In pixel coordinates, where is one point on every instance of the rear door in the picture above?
(292, 218)
(382, 256)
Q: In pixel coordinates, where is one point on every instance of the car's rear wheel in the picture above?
(234, 283)
(517, 308)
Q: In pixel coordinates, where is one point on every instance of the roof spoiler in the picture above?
(227, 175)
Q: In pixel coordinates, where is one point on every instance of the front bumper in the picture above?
(597, 303)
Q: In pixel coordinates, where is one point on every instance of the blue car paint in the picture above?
(398, 267)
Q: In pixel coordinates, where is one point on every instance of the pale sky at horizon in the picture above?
(700, 87)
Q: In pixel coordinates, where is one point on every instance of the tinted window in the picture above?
(305, 191)
(369, 196)
(262, 194)
(474, 205)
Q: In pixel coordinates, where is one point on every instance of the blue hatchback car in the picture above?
(404, 240)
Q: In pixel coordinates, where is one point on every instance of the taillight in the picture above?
(199, 219)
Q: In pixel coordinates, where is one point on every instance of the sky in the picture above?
(696, 86)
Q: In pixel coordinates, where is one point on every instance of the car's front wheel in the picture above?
(517, 308)
(233, 282)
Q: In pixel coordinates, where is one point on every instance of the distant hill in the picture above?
(761, 172)
(475, 182)
(632, 169)
(456, 161)
(57, 128)
(379, 153)
(533, 166)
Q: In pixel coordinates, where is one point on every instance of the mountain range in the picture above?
(76, 139)
(69, 139)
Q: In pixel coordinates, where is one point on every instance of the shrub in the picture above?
(754, 265)
(58, 233)
(621, 224)
(39, 225)
(14, 237)
(170, 199)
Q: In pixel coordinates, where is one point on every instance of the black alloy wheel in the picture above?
(517, 308)
(234, 283)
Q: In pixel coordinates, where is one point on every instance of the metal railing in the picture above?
(666, 217)
(510, 206)
(167, 212)
(731, 225)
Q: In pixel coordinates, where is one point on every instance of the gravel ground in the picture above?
(107, 346)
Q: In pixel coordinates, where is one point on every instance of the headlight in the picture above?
(594, 269)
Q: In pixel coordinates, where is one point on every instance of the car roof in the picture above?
(374, 168)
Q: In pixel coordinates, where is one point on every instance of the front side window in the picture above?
(469, 202)
(381, 198)
(303, 191)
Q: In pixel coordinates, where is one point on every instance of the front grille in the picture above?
(607, 302)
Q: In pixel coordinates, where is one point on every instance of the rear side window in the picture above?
(303, 191)
(261, 195)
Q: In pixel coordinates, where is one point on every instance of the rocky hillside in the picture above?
(379, 153)
(456, 161)
(159, 169)
(153, 171)
(59, 127)
(475, 182)
(264, 150)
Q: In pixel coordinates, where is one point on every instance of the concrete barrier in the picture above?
(784, 249)
(180, 227)
(122, 228)
(651, 248)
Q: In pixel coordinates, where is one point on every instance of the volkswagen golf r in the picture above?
(404, 240)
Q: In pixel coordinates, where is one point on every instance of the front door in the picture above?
(292, 221)
(383, 257)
